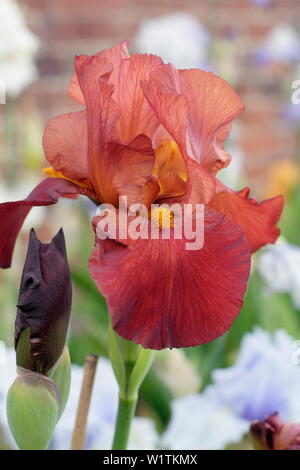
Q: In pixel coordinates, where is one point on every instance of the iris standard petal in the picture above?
(196, 108)
(114, 56)
(65, 145)
(115, 169)
(136, 115)
(213, 104)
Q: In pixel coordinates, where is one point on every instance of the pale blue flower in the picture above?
(291, 114)
(279, 265)
(264, 378)
(282, 45)
(262, 3)
(201, 422)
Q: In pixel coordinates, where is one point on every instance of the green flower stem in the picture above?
(117, 361)
(136, 373)
(139, 372)
(131, 364)
(126, 412)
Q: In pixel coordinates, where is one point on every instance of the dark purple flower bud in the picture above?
(44, 304)
(273, 434)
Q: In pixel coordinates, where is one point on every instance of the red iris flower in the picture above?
(154, 133)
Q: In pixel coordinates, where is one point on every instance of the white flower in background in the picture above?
(102, 414)
(7, 376)
(281, 45)
(263, 380)
(143, 435)
(37, 214)
(18, 46)
(232, 175)
(177, 38)
(201, 422)
(279, 265)
(174, 364)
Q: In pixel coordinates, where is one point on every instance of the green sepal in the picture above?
(139, 372)
(32, 410)
(23, 350)
(61, 375)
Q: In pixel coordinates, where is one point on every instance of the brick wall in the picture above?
(69, 27)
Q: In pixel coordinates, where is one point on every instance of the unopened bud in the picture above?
(33, 407)
(273, 434)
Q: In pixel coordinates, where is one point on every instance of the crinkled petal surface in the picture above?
(128, 169)
(258, 220)
(115, 169)
(65, 144)
(114, 56)
(161, 295)
(136, 116)
(168, 103)
(213, 104)
(196, 108)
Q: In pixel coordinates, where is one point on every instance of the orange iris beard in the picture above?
(153, 133)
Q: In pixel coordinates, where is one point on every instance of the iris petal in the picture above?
(13, 214)
(258, 220)
(161, 295)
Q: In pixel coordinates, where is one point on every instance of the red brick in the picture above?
(69, 27)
